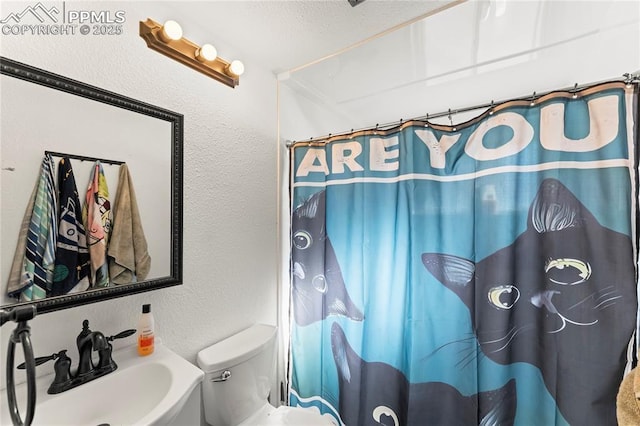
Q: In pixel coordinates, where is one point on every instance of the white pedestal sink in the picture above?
(158, 389)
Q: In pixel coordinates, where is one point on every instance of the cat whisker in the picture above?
(513, 330)
(600, 297)
(580, 302)
(476, 355)
(606, 303)
(469, 358)
(605, 293)
(515, 333)
(467, 350)
(606, 306)
(461, 365)
(469, 339)
(605, 298)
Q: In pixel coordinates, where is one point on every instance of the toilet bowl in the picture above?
(238, 376)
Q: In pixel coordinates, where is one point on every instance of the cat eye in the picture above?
(504, 296)
(319, 283)
(567, 271)
(302, 240)
(383, 411)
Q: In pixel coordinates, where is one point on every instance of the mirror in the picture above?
(40, 112)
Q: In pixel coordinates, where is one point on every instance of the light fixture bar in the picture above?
(185, 52)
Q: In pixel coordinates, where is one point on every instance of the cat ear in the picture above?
(452, 271)
(556, 208)
(498, 407)
(313, 205)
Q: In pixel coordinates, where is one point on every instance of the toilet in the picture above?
(237, 382)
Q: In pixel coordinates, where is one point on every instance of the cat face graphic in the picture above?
(318, 287)
(561, 297)
(375, 393)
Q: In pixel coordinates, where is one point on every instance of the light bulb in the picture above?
(171, 30)
(206, 53)
(236, 68)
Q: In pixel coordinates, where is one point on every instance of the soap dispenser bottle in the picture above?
(146, 331)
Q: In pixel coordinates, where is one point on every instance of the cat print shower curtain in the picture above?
(484, 274)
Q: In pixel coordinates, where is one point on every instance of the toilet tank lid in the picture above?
(236, 349)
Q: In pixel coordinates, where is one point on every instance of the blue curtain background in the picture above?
(380, 223)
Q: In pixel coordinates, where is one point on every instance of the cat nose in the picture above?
(544, 299)
(298, 270)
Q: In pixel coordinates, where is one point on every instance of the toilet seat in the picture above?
(288, 416)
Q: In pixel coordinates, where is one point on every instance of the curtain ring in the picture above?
(453, 128)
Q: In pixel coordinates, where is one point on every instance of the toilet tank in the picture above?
(238, 375)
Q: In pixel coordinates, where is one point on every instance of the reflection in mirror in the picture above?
(43, 113)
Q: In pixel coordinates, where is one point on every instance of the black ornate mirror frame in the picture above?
(44, 78)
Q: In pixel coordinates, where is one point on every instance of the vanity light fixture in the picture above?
(206, 53)
(236, 68)
(171, 31)
(167, 39)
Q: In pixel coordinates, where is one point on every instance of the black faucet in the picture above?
(87, 341)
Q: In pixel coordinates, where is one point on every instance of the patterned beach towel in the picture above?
(32, 278)
(72, 267)
(96, 215)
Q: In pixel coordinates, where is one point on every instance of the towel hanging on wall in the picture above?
(71, 273)
(31, 273)
(129, 259)
(17, 277)
(97, 216)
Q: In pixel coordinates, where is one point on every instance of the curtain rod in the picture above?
(83, 158)
(426, 15)
(627, 78)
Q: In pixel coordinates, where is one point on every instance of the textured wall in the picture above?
(229, 185)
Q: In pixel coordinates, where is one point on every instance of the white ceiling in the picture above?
(285, 34)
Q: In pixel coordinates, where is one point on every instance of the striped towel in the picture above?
(36, 277)
(72, 268)
(96, 215)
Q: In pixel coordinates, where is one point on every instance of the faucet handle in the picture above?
(121, 335)
(42, 359)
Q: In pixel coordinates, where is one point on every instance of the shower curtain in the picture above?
(477, 274)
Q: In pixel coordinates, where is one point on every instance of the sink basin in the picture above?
(142, 391)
